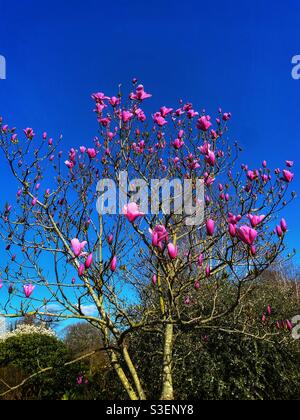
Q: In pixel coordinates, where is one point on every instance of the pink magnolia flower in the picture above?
(205, 148)
(197, 285)
(226, 116)
(110, 239)
(159, 236)
(187, 300)
(209, 180)
(234, 220)
(89, 261)
(279, 231)
(114, 101)
(104, 121)
(164, 111)
(252, 175)
(154, 280)
(126, 116)
(289, 163)
(269, 310)
(211, 158)
(28, 290)
(232, 230)
(204, 123)
(173, 251)
(78, 247)
(246, 234)
(288, 176)
(283, 225)
(178, 144)
(200, 260)
(208, 271)
(141, 116)
(132, 212)
(113, 264)
(69, 164)
(159, 119)
(81, 270)
(140, 94)
(192, 114)
(29, 133)
(210, 227)
(99, 97)
(91, 153)
(255, 220)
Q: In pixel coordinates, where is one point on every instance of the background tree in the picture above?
(27, 351)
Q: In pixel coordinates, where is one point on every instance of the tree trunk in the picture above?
(168, 391)
(134, 374)
(123, 378)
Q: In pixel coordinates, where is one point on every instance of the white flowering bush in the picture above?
(25, 329)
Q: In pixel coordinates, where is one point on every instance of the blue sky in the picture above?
(234, 54)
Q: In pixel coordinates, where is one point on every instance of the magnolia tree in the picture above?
(155, 209)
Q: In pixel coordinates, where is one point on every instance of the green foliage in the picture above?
(24, 355)
(218, 362)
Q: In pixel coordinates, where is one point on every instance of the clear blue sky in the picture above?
(234, 54)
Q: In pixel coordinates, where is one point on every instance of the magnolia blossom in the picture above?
(232, 230)
(113, 264)
(279, 231)
(200, 260)
(78, 247)
(210, 158)
(159, 236)
(89, 261)
(69, 164)
(159, 119)
(165, 111)
(140, 94)
(283, 225)
(110, 239)
(204, 123)
(173, 251)
(29, 133)
(91, 153)
(288, 176)
(132, 212)
(246, 234)
(255, 220)
(126, 116)
(210, 227)
(28, 290)
(154, 280)
(81, 270)
(234, 220)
